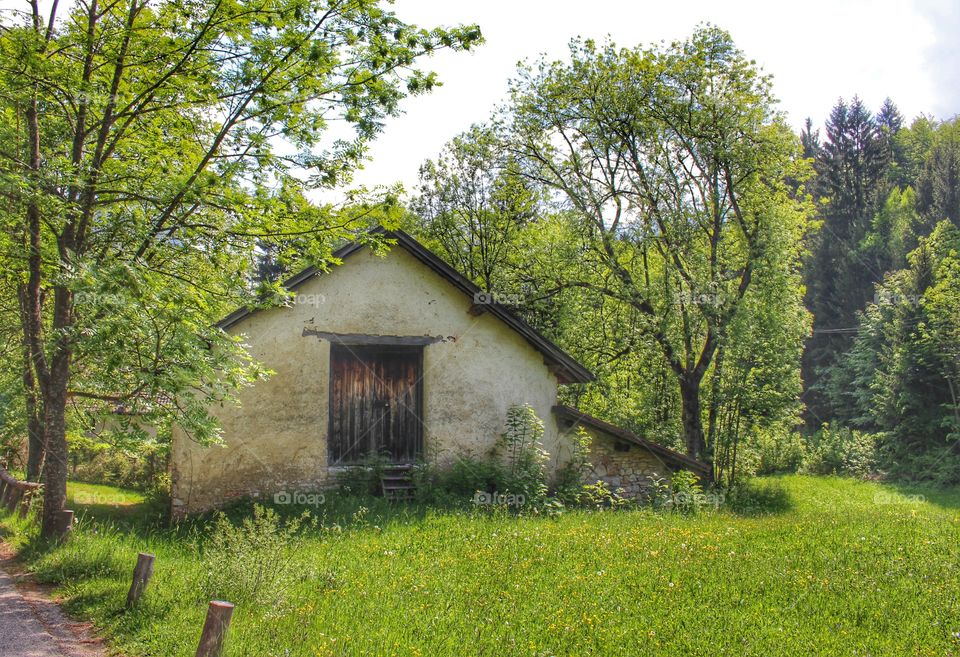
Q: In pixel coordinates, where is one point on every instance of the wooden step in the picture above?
(399, 494)
(396, 482)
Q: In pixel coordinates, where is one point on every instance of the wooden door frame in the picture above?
(354, 348)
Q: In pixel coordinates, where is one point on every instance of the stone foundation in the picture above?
(621, 464)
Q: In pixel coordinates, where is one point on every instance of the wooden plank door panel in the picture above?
(375, 403)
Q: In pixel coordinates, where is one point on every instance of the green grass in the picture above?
(842, 568)
(103, 501)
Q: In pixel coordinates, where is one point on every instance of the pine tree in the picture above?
(889, 123)
(852, 166)
(938, 185)
(810, 139)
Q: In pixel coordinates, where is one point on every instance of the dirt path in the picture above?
(31, 625)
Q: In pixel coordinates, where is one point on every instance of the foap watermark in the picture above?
(882, 297)
(97, 298)
(700, 299)
(314, 300)
(299, 498)
(691, 500)
(483, 498)
(897, 498)
(98, 499)
(485, 298)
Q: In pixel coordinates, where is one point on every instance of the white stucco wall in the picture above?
(276, 438)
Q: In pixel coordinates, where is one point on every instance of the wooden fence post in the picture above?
(25, 504)
(13, 499)
(63, 525)
(215, 629)
(142, 573)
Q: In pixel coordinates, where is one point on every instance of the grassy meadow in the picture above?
(825, 566)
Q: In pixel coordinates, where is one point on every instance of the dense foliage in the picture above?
(149, 147)
(665, 252)
(646, 208)
(883, 287)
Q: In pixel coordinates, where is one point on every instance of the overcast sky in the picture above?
(817, 52)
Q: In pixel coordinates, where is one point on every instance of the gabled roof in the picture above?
(561, 364)
(668, 456)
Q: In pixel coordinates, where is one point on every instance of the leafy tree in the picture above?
(755, 384)
(140, 167)
(940, 335)
(938, 184)
(810, 140)
(472, 206)
(13, 399)
(674, 164)
(635, 387)
(911, 147)
(902, 376)
(894, 232)
(889, 124)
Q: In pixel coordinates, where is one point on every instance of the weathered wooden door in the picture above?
(375, 403)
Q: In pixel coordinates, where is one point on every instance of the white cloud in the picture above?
(942, 62)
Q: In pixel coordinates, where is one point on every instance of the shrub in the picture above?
(254, 562)
(114, 462)
(682, 494)
(522, 447)
(938, 466)
(841, 451)
(519, 471)
(599, 496)
(687, 493)
(157, 497)
(569, 483)
(455, 485)
(364, 478)
(753, 497)
(780, 453)
(659, 493)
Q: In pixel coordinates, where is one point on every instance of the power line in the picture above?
(854, 329)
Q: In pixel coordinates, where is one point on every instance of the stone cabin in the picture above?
(396, 354)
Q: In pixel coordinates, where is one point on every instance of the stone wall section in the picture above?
(631, 467)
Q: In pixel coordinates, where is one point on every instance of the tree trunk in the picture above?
(717, 382)
(36, 442)
(36, 446)
(692, 421)
(55, 464)
(732, 479)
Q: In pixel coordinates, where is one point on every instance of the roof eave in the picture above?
(576, 415)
